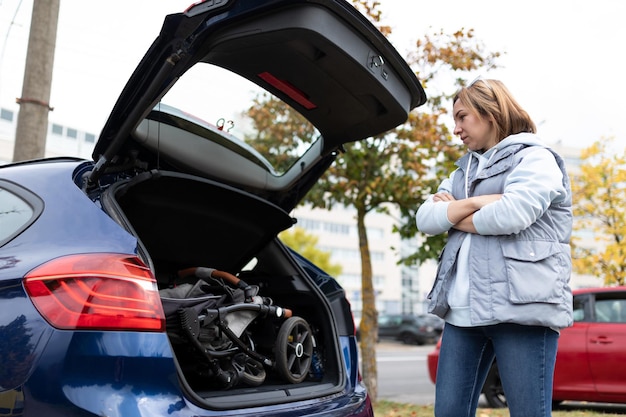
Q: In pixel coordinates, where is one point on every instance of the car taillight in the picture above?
(96, 291)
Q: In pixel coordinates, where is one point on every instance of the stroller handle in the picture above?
(227, 276)
(204, 272)
(201, 271)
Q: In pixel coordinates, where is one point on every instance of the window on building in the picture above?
(350, 280)
(309, 224)
(377, 256)
(342, 253)
(90, 137)
(328, 227)
(379, 281)
(6, 115)
(375, 233)
(57, 129)
(351, 254)
(337, 228)
(72, 133)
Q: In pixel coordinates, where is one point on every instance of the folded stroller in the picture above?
(209, 324)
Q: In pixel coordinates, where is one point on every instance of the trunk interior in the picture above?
(182, 222)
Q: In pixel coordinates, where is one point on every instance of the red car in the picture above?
(591, 357)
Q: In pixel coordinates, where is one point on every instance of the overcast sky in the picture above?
(562, 58)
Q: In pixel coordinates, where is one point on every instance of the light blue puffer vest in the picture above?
(521, 278)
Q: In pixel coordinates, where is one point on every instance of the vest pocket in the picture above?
(534, 271)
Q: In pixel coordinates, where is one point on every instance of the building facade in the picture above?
(60, 141)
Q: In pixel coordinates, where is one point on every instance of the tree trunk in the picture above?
(32, 120)
(368, 327)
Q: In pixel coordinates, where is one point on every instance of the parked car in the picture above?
(591, 359)
(411, 329)
(150, 281)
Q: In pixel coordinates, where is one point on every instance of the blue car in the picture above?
(150, 280)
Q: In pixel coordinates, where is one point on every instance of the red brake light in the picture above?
(284, 86)
(96, 291)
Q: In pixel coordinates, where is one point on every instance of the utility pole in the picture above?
(32, 120)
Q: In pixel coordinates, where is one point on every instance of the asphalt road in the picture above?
(403, 374)
(403, 377)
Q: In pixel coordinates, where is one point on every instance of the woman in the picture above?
(502, 283)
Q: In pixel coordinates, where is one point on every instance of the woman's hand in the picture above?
(443, 197)
(461, 212)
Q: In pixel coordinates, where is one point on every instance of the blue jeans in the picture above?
(525, 355)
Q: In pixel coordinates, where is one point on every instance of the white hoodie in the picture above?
(496, 218)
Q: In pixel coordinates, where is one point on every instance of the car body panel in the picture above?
(89, 232)
(591, 361)
(573, 380)
(125, 370)
(23, 335)
(607, 359)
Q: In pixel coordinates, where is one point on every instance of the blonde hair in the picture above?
(491, 100)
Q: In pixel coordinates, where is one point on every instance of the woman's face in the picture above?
(476, 133)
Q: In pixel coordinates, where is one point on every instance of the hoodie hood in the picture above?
(508, 145)
(504, 147)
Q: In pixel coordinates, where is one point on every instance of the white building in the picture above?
(61, 140)
(396, 287)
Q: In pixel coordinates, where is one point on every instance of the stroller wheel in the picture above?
(250, 371)
(294, 349)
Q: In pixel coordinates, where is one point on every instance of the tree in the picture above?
(306, 244)
(278, 130)
(599, 192)
(400, 167)
(436, 55)
(32, 120)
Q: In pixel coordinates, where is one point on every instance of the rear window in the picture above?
(278, 132)
(18, 209)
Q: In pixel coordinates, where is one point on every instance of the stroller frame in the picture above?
(217, 328)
